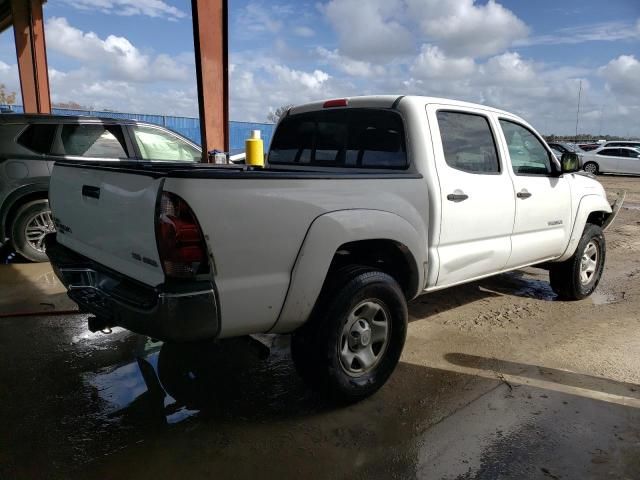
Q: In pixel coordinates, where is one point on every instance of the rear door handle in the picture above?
(523, 194)
(90, 191)
(457, 197)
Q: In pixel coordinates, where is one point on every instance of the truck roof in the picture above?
(389, 101)
(13, 118)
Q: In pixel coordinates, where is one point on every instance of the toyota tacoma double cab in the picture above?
(364, 203)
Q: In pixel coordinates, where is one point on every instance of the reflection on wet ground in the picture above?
(176, 381)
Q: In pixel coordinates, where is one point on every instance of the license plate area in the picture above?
(93, 301)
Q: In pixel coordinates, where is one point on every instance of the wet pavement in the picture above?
(82, 405)
(499, 379)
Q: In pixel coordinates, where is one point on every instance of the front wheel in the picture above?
(354, 340)
(577, 277)
(32, 223)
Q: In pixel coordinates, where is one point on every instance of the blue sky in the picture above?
(523, 56)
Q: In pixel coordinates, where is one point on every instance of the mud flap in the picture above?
(615, 208)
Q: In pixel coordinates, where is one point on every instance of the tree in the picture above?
(6, 98)
(71, 106)
(274, 115)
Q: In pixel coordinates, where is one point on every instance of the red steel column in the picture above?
(31, 50)
(210, 38)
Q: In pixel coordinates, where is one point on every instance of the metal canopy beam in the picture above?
(28, 28)
(210, 37)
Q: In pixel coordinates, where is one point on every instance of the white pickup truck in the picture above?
(364, 204)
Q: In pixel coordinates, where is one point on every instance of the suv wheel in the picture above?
(353, 341)
(32, 222)
(577, 277)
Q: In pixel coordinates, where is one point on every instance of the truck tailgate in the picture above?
(108, 216)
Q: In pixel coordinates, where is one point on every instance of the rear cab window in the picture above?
(93, 141)
(347, 137)
(38, 137)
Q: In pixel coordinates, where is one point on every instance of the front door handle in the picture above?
(457, 197)
(523, 194)
(90, 191)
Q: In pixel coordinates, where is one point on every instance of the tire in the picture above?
(571, 279)
(591, 167)
(38, 214)
(353, 341)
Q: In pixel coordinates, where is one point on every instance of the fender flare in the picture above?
(325, 235)
(588, 204)
(13, 199)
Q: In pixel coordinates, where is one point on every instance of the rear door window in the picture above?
(94, 141)
(38, 137)
(354, 137)
(468, 143)
(610, 152)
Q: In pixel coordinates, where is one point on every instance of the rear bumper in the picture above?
(175, 312)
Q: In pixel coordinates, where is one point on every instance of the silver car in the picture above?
(612, 160)
(30, 144)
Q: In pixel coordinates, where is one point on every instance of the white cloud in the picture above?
(88, 89)
(304, 32)
(309, 80)
(255, 17)
(115, 55)
(9, 77)
(623, 76)
(433, 63)
(509, 68)
(356, 68)
(149, 8)
(370, 29)
(467, 28)
(596, 32)
(260, 85)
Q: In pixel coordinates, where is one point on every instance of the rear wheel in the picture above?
(591, 167)
(32, 222)
(353, 341)
(577, 277)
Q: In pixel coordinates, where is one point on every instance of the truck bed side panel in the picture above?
(255, 228)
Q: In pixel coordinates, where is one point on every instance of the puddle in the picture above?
(170, 383)
(520, 284)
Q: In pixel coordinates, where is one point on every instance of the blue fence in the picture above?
(187, 126)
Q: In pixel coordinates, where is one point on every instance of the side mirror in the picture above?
(570, 162)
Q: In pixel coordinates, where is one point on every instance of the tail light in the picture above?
(180, 241)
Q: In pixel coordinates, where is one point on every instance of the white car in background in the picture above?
(621, 143)
(612, 160)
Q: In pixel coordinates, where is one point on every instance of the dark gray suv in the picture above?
(30, 144)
